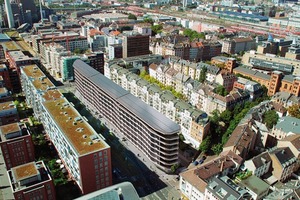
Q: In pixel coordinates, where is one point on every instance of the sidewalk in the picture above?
(5, 190)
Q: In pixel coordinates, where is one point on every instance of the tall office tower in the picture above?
(135, 44)
(29, 5)
(10, 18)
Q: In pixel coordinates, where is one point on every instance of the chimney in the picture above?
(222, 166)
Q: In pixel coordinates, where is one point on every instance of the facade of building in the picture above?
(260, 164)
(5, 95)
(96, 61)
(8, 113)
(284, 163)
(286, 126)
(270, 62)
(159, 141)
(31, 180)
(84, 153)
(226, 79)
(16, 145)
(4, 73)
(15, 60)
(135, 45)
(226, 63)
(237, 45)
(276, 82)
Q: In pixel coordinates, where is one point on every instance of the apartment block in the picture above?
(15, 60)
(5, 95)
(226, 79)
(284, 163)
(254, 88)
(37, 88)
(31, 181)
(8, 113)
(84, 153)
(260, 164)
(237, 45)
(96, 61)
(4, 73)
(16, 145)
(193, 182)
(153, 133)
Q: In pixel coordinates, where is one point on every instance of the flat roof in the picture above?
(255, 184)
(25, 171)
(112, 193)
(149, 115)
(10, 128)
(78, 132)
(11, 45)
(3, 66)
(18, 55)
(288, 124)
(7, 105)
(3, 90)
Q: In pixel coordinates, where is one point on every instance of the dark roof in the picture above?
(146, 113)
(283, 154)
(261, 159)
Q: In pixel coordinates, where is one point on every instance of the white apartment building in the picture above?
(163, 101)
(83, 152)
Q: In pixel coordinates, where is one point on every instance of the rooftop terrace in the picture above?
(78, 132)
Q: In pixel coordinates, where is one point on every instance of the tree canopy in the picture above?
(270, 118)
(132, 16)
(193, 34)
(202, 77)
(294, 111)
(221, 90)
(157, 28)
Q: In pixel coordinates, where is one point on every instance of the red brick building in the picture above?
(15, 60)
(31, 181)
(4, 73)
(16, 144)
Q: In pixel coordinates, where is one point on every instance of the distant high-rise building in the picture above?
(135, 44)
(10, 19)
(29, 5)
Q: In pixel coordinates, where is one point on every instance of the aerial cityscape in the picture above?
(150, 100)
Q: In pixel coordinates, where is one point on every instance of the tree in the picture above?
(174, 168)
(148, 20)
(203, 75)
(294, 110)
(205, 144)
(270, 118)
(226, 116)
(193, 34)
(157, 28)
(217, 148)
(220, 89)
(132, 16)
(77, 51)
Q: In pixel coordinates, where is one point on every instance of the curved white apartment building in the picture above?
(149, 130)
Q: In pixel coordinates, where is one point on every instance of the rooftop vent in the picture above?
(84, 136)
(90, 143)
